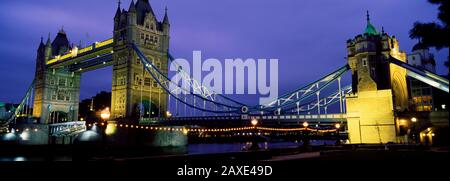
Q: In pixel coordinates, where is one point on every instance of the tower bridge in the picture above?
(141, 89)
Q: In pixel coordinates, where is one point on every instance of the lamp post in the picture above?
(413, 129)
(306, 137)
(105, 114)
(254, 145)
(337, 126)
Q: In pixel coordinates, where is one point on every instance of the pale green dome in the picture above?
(370, 29)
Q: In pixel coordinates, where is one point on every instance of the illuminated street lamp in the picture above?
(337, 126)
(305, 124)
(413, 120)
(254, 122)
(105, 114)
(306, 138)
(254, 145)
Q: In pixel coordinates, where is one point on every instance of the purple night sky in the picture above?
(308, 37)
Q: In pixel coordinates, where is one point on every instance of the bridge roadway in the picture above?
(245, 120)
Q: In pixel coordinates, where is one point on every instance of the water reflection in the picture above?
(200, 148)
(204, 148)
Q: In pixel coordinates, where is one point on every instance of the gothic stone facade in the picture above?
(134, 92)
(57, 90)
(379, 87)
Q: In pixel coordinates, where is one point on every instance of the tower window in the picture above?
(68, 97)
(364, 62)
(138, 60)
(147, 81)
(158, 65)
(62, 82)
(54, 95)
(61, 95)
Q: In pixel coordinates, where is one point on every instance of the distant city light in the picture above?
(413, 119)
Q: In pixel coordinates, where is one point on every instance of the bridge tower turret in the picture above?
(379, 88)
(56, 89)
(135, 93)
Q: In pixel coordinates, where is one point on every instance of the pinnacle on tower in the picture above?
(118, 10)
(48, 43)
(367, 15)
(41, 44)
(62, 30)
(166, 18)
(132, 7)
(370, 29)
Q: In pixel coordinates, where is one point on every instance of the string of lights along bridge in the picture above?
(143, 94)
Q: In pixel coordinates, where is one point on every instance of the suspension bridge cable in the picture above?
(166, 89)
(220, 95)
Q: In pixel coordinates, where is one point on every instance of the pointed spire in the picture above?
(41, 44)
(62, 30)
(382, 30)
(367, 16)
(48, 48)
(166, 18)
(370, 29)
(132, 7)
(48, 43)
(118, 10)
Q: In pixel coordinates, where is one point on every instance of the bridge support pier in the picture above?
(370, 117)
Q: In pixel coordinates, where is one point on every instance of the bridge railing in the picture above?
(67, 127)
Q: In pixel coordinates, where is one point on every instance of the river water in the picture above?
(197, 148)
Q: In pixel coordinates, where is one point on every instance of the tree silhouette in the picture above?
(434, 34)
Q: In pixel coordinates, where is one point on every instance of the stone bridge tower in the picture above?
(134, 92)
(57, 90)
(379, 88)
